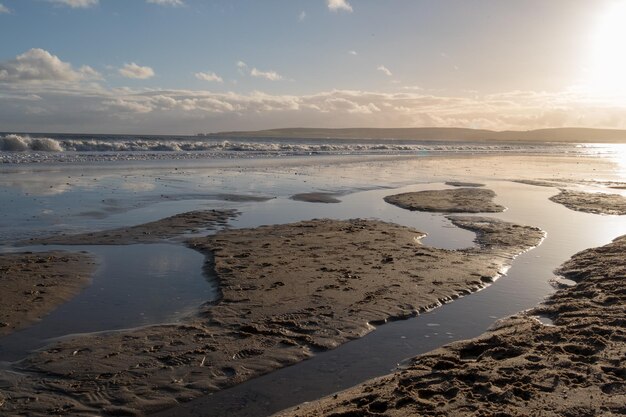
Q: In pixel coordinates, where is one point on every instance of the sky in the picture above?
(192, 66)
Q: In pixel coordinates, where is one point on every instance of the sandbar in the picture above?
(287, 291)
(540, 183)
(596, 203)
(464, 184)
(574, 367)
(34, 284)
(317, 197)
(459, 200)
(152, 232)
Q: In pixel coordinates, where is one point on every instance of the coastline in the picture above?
(266, 319)
(34, 284)
(522, 366)
(173, 386)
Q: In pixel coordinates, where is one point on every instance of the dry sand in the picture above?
(521, 367)
(597, 203)
(460, 200)
(190, 222)
(34, 284)
(287, 292)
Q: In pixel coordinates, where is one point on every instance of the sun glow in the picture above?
(607, 69)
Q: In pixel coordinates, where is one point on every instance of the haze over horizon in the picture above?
(188, 66)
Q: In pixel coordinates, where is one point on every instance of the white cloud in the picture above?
(4, 9)
(337, 5)
(208, 76)
(352, 53)
(242, 67)
(133, 70)
(127, 106)
(38, 91)
(173, 3)
(89, 73)
(302, 16)
(77, 4)
(39, 65)
(384, 70)
(268, 75)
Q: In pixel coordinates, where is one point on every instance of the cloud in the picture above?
(208, 76)
(188, 111)
(39, 65)
(173, 3)
(352, 53)
(38, 91)
(127, 106)
(76, 4)
(384, 70)
(135, 71)
(302, 16)
(338, 5)
(241, 67)
(268, 75)
(4, 9)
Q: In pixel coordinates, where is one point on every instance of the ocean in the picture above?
(18, 148)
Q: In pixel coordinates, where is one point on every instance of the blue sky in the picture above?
(186, 66)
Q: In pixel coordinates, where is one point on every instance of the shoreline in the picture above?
(571, 367)
(173, 386)
(214, 349)
(34, 284)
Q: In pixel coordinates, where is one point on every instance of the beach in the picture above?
(571, 365)
(249, 209)
(33, 284)
(298, 276)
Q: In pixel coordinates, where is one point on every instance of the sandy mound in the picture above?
(287, 291)
(461, 200)
(166, 228)
(34, 284)
(520, 367)
(597, 203)
(464, 184)
(316, 197)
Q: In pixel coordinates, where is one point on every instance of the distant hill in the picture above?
(573, 135)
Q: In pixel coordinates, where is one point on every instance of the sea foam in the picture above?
(17, 143)
(21, 148)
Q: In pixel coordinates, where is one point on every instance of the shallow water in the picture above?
(102, 198)
(525, 285)
(142, 284)
(135, 285)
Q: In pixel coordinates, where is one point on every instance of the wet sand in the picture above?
(459, 200)
(288, 291)
(147, 369)
(597, 203)
(464, 184)
(574, 367)
(169, 227)
(540, 183)
(316, 197)
(34, 284)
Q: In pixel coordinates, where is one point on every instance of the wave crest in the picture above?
(18, 143)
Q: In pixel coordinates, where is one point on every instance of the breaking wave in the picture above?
(15, 148)
(17, 143)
